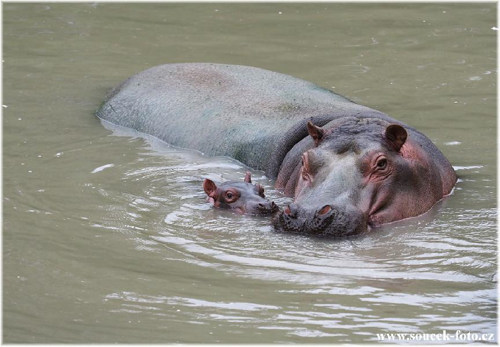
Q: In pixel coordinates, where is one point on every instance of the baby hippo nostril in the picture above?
(264, 207)
(274, 207)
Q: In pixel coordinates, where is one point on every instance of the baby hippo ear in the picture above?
(248, 177)
(316, 132)
(395, 136)
(260, 190)
(209, 187)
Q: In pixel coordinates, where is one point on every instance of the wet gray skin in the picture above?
(360, 174)
(241, 197)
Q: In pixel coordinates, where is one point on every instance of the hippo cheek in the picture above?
(391, 201)
(375, 202)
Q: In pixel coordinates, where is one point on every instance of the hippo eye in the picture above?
(382, 163)
(230, 196)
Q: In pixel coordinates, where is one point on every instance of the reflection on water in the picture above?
(108, 237)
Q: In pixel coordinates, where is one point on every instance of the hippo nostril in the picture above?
(324, 210)
(262, 207)
(291, 211)
(274, 207)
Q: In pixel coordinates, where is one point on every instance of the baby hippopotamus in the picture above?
(242, 197)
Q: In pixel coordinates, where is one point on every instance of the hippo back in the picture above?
(224, 110)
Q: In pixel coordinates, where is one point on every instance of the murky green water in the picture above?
(108, 238)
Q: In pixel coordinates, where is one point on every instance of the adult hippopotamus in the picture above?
(350, 168)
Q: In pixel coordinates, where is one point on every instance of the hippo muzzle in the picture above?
(328, 220)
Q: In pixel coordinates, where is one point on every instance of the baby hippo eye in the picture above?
(382, 163)
(231, 195)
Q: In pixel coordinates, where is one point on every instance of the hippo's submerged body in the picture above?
(349, 167)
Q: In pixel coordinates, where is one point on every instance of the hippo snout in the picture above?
(264, 207)
(327, 220)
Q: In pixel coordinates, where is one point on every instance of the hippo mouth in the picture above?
(327, 221)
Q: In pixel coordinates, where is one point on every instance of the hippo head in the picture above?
(359, 174)
(242, 197)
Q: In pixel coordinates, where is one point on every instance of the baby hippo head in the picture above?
(242, 197)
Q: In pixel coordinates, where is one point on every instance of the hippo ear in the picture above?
(396, 136)
(248, 177)
(316, 132)
(209, 187)
(260, 190)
